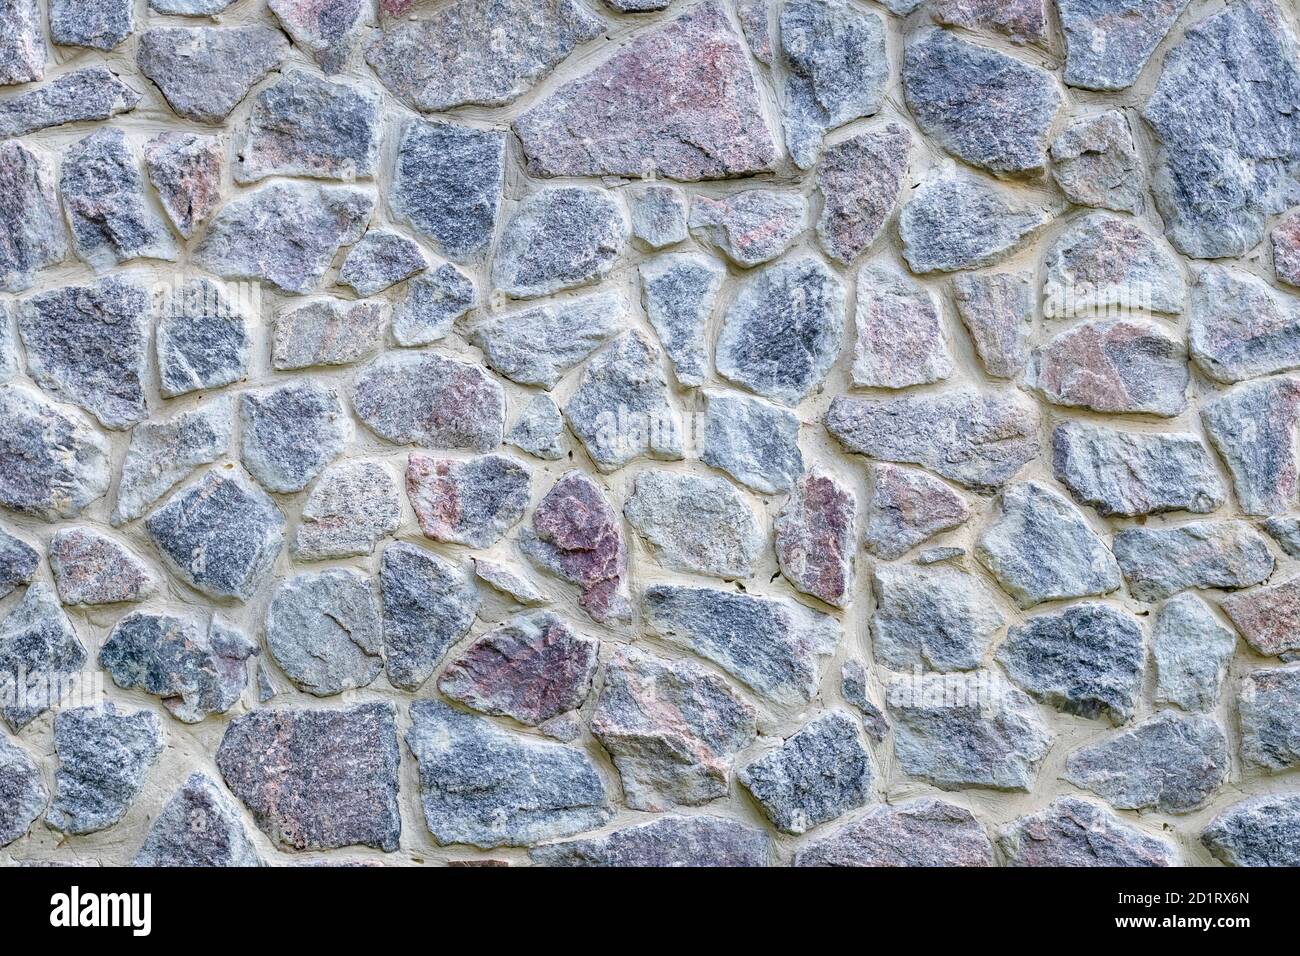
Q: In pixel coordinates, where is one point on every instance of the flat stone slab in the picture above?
(678, 293)
(350, 508)
(94, 93)
(204, 338)
(658, 213)
(958, 222)
(1158, 562)
(1103, 264)
(755, 442)
(541, 344)
(860, 181)
(25, 794)
(693, 841)
(1191, 651)
(1240, 328)
(186, 170)
(908, 507)
(1096, 163)
(328, 34)
(539, 429)
(923, 832)
(205, 72)
(328, 332)
(997, 310)
(560, 237)
(324, 631)
(291, 433)
(1269, 705)
(1267, 617)
(1020, 21)
(29, 217)
(18, 562)
(472, 502)
(163, 453)
(434, 301)
(1108, 42)
(900, 332)
(750, 227)
(814, 537)
(99, 26)
(90, 568)
(1253, 428)
(22, 47)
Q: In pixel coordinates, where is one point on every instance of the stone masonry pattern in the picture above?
(649, 432)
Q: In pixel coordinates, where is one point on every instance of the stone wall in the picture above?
(707, 431)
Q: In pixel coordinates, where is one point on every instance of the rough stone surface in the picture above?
(94, 93)
(1260, 831)
(900, 337)
(291, 433)
(998, 312)
(541, 344)
(680, 100)
(433, 302)
(98, 24)
(672, 729)
(317, 779)
(1240, 328)
(37, 639)
(104, 758)
(749, 228)
(1158, 562)
(814, 538)
(327, 32)
(204, 72)
(959, 222)
(426, 399)
(539, 429)
(204, 339)
(429, 605)
(1252, 427)
(658, 214)
(327, 332)
(755, 442)
(507, 581)
(773, 645)
(186, 170)
(1270, 718)
(783, 332)
(324, 631)
(1073, 832)
(696, 841)
(351, 507)
(22, 47)
(923, 832)
(1039, 547)
(198, 826)
(22, 792)
(938, 618)
(907, 507)
(52, 465)
(381, 259)
(91, 568)
(472, 502)
(18, 562)
(1103, 264)
(1108, 41)
(30, 221)
(695, 523)
(1267, 617)
(853, 687)
(1285, 239)
(163, 453)
(678, 293)
(860, 180)
(1020, 21)
(1095, 163)
(486, 787)
(1286, 532)
(558, 238)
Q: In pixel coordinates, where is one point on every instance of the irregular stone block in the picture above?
(97, 24)
(1252, 427)
(425, 399)
(1269, 705)
(29, 219)
(221, 535)
(205, 72)
(751, 227)
(22, 47)
(104, 756)
(381, 259)
(539, 429)
(198, 826)
(695, 523)
(696, 841)
(1191, 650)
(815, 538)
(291, 433)
(91, 568)
(186, 170)
(38, 642)
(204, 338)
(1020, 21)
(1285, 239)
(351, 507)
(327, 332)
(959, 222)
(1095, 163)
(163, 453)
(900, 337)
(324, 632)
(755, 442)
(922, 832)
(434, 301)
(1073, 832)
(1268, 618)
(317, 779)
(853, 687)
(486, 787)
(998, 312)
(678, 293)
(680, 101)
(1103, 265)
(94, 93)
(51, 465)
(658, 214)
(1158, 562)
(773, 645)
(327, 33)
(1286, 532)
(541, 344)
(906, 508)
(1041, 548)
(1108, 42)
(1239, 328)
(471, 502)
(1261, 831)
(860, 180)
(429, 605)
(24, 792)
(189, 8)
(754, 23)
(18, 563)
(931, 618)
(558, 238)
(506, 581)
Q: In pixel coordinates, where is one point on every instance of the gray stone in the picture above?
(924, 832)
(189, 8)
(658, 214)
(38, 641)
(434, 301)
(750, 227)
(983, 106)
(486, 787)
(679, 101)
(18, 562)
(1169, 762)
(22, 47)
(425, 399)
(558, 238)
(838, 71)
(1286, 532)
(532, 669)
(907, 507)
(1117, 367)
(8, 348)
(1020, 21)
(773, 645)
(1086, 660)
(198, 826)
(478, 52)
(667, 841)
(447, 185)
(473, 502)
(1095, 163)
(328, 332)
(90, 568)
(103, 194)
(1222, 171)
(959, 222)
(671, 728)
(678, 292)
(324, 632)
(163, 453)
(351, 507)
(204, 339)
(104, 757)
(94, 93)
(937, 555)
(860, 181)
(1260, 831)
(819, 774)
(755, 24)
(286, 233)
(541, 344)
(317, 779)
(998, 312)
(1191, 651)
(1103, 264)
(1075, 833)
(938, 618)
(900, 337)
(52, 465)
(1285, 239)
(621, 409)
(1109, 41)
(1252, 427)
(328, 32)
(1240, 328)
(29, 220)
(695, 523)
(754, 441)
(783, 331)
(429, 605)
(979, 439)
(539, 429)
(307, 126)
(507, 581)
(1040, 547)
(1269, 705)
(853, 687)
(221, 535)
(381, 259)
(815, 532)
(196, 671)
(981, 732)
(90, 345)
(1135, 473)
(22, 792)
(205, 72)
(98, 24)
(1158, 562)
(290, 433)
(578, 537)
(1268, 617)
(186, 170)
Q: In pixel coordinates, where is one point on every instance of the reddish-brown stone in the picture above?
(1268, 618)
(814, 538)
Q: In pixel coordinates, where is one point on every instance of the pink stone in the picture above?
(998, 311)
(1268, 618)
(1020, 21)
(907, 507)
(185, 168)
(815, 538)
(1286, 248)
(471, 502)
(860, 180)
(900, 338)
